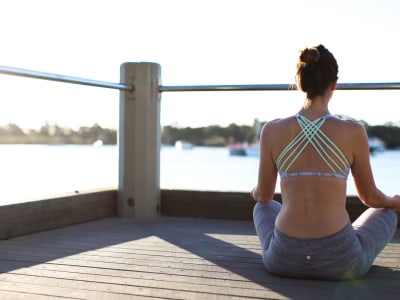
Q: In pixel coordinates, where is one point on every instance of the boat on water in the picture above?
(98, 143)
(244, 149)
(376, 144)
(248, 149)
(183, 145)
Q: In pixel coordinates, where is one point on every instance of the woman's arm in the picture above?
(267, 172)
(369, 194)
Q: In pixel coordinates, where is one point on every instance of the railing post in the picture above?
(139, 142)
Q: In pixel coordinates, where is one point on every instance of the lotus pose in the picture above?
(310, 234)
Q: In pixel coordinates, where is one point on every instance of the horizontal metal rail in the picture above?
(189, 88)
(369, 86)
(225, 88)
(276, 87)
(62, 78)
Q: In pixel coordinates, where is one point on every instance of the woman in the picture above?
(310, 234)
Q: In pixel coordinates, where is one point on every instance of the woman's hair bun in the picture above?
(309, 56)
(316, 70)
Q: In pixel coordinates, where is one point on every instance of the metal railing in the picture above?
(188, 88)
(277, 87)
(62, 78)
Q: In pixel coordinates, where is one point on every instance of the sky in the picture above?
(195, 42)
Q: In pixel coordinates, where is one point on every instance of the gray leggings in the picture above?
(346, 254)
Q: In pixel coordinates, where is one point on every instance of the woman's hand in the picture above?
(253, 193)
(395, 202)
(257, 196)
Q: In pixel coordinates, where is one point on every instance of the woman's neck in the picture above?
(315, 108)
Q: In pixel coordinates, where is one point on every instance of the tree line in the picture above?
(222, 136)
(215, 135)
(51, 133)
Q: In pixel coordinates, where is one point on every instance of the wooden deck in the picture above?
(167, 258)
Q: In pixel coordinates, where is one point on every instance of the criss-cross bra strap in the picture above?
(312, 134)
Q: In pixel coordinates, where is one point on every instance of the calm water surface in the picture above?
(31, 172)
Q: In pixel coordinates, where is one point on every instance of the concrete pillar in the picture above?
(139, 142)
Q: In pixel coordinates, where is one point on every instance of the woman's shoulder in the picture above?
(348, 133)
(277, 123)
(276, 128)
(351, 125)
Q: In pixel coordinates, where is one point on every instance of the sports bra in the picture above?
(311, 134)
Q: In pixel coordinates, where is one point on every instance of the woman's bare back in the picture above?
(312, 206)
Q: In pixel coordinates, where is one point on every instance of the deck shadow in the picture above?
(210, 240)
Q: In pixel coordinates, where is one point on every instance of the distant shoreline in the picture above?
(213, 136)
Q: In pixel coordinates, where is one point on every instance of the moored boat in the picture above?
(183, 145)
(244, 149)
(376, 144)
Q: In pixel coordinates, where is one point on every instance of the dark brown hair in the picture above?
(317, 69)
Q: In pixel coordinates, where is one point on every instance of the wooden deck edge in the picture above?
(67, 209)
(226, 205)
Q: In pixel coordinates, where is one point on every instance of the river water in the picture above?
(32, 172)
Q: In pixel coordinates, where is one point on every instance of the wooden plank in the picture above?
(206, 204)
(10, 295)
(40, 290)
(24, 218)
(202, 282)
(135, 287)
(226, 205)
(139, 257)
